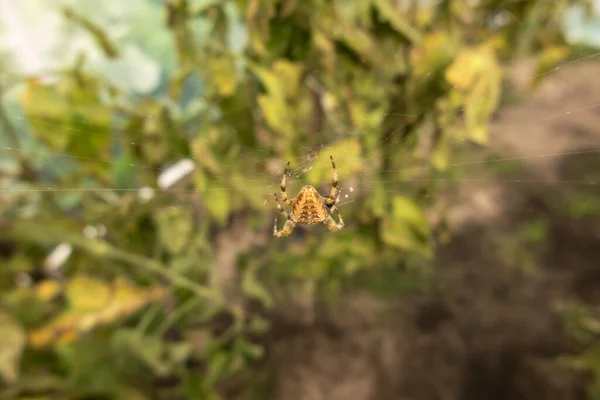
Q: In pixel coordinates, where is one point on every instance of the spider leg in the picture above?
(286, 230)
(289, 224)
(284, 197)
(334, 196)
(332, 225)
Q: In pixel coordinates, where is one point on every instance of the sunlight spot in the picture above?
(90, 232)
(346, 196)
(146, 193)
(351, 189)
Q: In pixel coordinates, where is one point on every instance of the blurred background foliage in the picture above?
(115, 284)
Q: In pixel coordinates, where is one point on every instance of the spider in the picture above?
(309, 207)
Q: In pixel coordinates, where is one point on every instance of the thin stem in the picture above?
(37, 233)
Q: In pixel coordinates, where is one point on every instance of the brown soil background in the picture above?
(487, 330)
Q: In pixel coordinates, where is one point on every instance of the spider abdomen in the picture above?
(309, 207)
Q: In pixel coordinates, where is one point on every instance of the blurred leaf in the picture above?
(281, 83)
(204, 154)
(148, 349)
(406, 227)
(125, 172)
(249, 349)
(85, 293)
(12, 342)
(47, 290)
(276, 114)
(175, 227)
(90, 367)
(254, 289)
(377, 198)
(397, 20)
(71, 119)
(476, 75)
(218, 367)
(217, 201)
(432, 54)
(347, 157)
(222, 72)
(548, 59)
(92, 303)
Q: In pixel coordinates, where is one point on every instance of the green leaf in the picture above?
(148, 349)
(347, 157)
(12, 342)
(406, 227)
(254, 289)
(396, 18)
(282, 82)
(70, 118)
(90, 367)
(276, 114)
(175, 227)
(221, 71)
(218, 367)
(217, 201)
(125, 172)
(377, 199)
(249, 349)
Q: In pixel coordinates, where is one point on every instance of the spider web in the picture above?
(541, 152)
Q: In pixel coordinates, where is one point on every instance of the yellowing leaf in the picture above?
(469, 65)
(47, 290)
(85, 312)
(347, 157)
(476, 77)
(12, 342)
(86, 293)
(222, 75)
(435, 51)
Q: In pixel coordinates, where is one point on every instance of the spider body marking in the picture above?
(309, 207)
